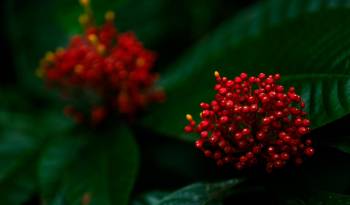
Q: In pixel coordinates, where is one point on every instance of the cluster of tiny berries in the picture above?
(113, 66)
(253, 120)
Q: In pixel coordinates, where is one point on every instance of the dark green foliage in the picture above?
(294, 38)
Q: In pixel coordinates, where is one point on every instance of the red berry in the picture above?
(278, 164)
(262, 75)
(243, 159)
(302, 130)
(271, 150)
(245, 109)
(188, 129)
(260, 136)
(217, 155)
(252, 79)
(266, 120)
(253, 108)
(222, 91)
(269, 80)
(277, 76)
(238, 136)
(309, 151)
(298, 121)
(245, 131)
(285, 156)
(306, 122)
(256, 149)
(229, 104)
(208, 153)
(204, 124)
(229, 83)
(204, 105)
(238, 80)
(250, 155)
(199, 143)
(308, 142)
(243, 76)
(224, 119)
(204, 134)
(279, 88)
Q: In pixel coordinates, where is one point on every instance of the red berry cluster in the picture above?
(253, 120)
(110, 66)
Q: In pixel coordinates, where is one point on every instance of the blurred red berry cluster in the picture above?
(113, 67)
(253, 120)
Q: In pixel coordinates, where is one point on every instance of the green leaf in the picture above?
(321, 198)
(57, 156)
(151, 198)
(307, 41)
(19, 148)
(18, 141)
(22, 137)
(14, 149)
(105, 172)
(200, 193)
(19, 186)
(325, 198)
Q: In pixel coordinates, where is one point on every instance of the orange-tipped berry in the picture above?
(189, 117)
(109, 16)
(253, 120)
(84, 2)
(216, 74)
(107, 69)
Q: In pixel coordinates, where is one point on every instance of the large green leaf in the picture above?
(59, 153)
(200, 193)
(22, 137)
(15, 147)
(17, 153)
(19, 186)
(19, 147)
(105, 172)
(18, 141)
(307, 41)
